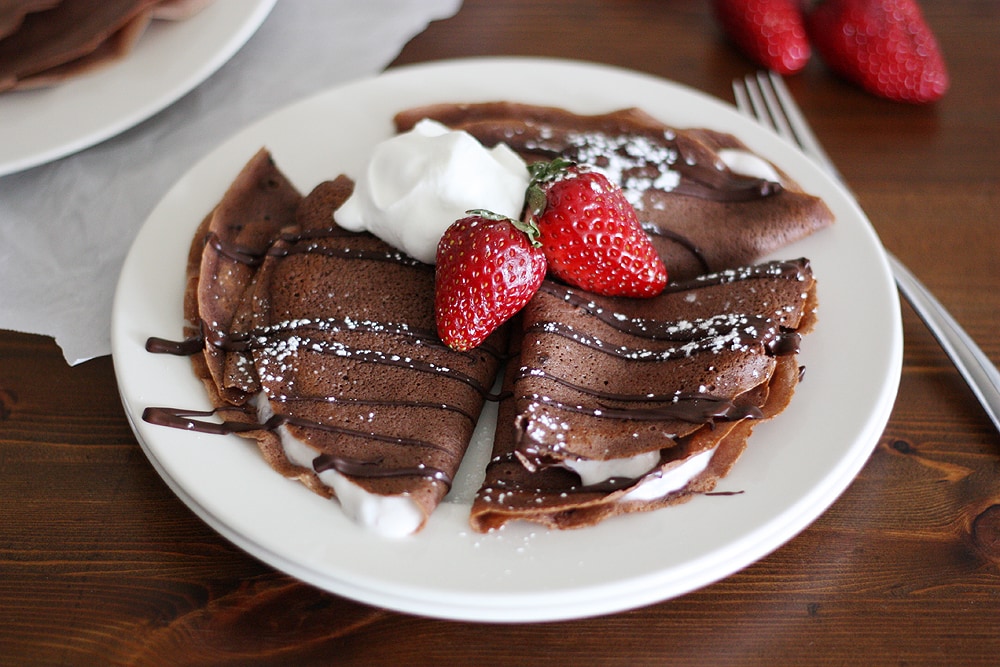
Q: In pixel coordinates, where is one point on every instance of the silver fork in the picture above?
(764, 97)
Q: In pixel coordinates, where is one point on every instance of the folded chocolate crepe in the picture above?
(625, 405)
(320, 344)
(702, 213)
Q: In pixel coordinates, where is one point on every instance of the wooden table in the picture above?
(101, 563)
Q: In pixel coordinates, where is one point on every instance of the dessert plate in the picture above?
(793, 468)
(169, 60)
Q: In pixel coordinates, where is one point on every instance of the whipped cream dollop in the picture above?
(419, 182)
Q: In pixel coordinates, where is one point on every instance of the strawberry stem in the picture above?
(541, 173)
(529, 227)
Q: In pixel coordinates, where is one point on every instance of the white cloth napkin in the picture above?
(66, 227)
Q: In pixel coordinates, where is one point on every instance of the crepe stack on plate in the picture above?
(44, 42)
(320, 343)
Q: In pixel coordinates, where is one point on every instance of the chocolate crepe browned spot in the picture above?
(701, 216)
(597, 379)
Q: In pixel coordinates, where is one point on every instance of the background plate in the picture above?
(169, 60)
(793, 468)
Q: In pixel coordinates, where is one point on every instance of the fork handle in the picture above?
(977, 369)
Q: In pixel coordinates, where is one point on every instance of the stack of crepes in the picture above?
(44, 42)
(321, 341)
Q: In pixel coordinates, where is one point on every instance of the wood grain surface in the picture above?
(101, 564)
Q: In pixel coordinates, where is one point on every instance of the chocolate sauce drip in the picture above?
(259, 338)
(181, 348)
(721, 185)
(792, 269)
(350, 467)
(681, 240)
(725, 332)
(387, 359)
(784, 344)
(692, 408)
(639, 155)
(375, 403)
(373, 469)
(304, 243)
(654, 329)
(182, 419)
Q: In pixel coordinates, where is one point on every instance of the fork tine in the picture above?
(766, 98)
(742, 99)
(776, 107)
(755, 102)
(795, 121)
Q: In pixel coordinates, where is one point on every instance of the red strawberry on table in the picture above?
(771, 32)
(590, 233)
(885, 46)
(488, 267)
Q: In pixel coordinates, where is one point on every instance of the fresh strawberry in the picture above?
(885, 46)
(590, 233)
(771, 32)
(488, 267)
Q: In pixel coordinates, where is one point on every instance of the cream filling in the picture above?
(388, 516)
(670, 480)
(653, 487)
(592, 471)
(748, 164)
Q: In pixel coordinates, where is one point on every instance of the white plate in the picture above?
(170, 59)
(793, 469)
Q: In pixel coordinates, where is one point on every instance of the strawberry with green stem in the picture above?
(590, 233)
(488, 267)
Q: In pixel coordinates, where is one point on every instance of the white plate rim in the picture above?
(43, 125)
(517, 594)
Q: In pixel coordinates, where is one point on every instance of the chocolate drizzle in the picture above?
(639, 153)
(658, 230)
(726, 330)
(712, 335)
(708, 367)
(184, 419)
(693, 408)
(324, 336)
(371, 469)
(289, 243)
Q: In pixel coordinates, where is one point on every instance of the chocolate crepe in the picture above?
(43, 42)
(701, 215)
(597, 379)
(320, 344)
